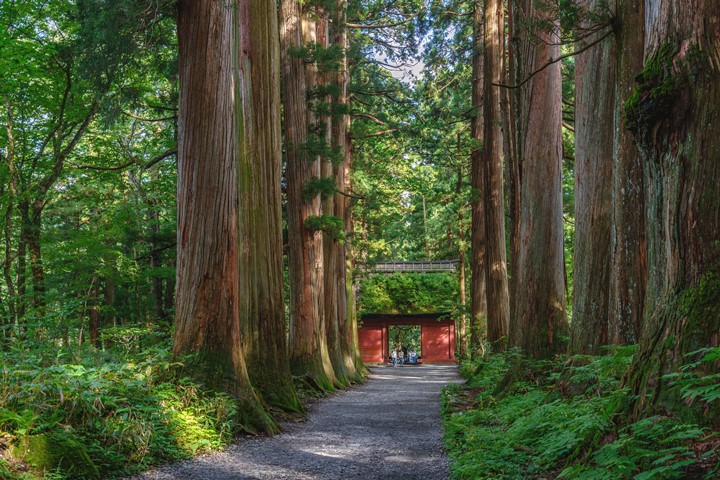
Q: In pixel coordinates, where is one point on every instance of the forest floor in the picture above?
(388, 427)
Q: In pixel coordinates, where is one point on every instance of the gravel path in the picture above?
(388, 428)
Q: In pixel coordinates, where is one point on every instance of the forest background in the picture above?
(567, 137)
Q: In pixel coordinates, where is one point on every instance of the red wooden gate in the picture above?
(437, 336)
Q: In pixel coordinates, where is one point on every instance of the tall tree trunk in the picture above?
(156, 261)
(32, 225)
(207, 322)
(341, 142)
(540, 323)
(478, 295)
(498, 308)
(676, 99)
(462, 320)
(262, 309)
(21, 304)
(510, 111)
(327, 76)
(7, 233)
(307, 335)
(352, 319)
(94, 313)
(627, 293)
(594, 128)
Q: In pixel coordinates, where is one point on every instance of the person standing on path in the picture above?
(394, 356)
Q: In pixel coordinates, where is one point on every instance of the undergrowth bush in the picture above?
(520, 419)
(119, 410)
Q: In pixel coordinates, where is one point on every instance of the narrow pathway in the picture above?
(388, 428)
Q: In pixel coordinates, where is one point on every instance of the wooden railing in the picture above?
(394, 267)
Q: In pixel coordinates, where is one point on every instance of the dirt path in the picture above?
(388, 428)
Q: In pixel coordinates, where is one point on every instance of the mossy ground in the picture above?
(522, 419)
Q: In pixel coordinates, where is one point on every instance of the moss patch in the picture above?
(655, 92)
(56, 451)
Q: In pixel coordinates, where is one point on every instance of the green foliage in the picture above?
(408, 293)
(328, 224)
(120, 411)
(316, 146)
(693, 380)
(518, 419)
(325, 187)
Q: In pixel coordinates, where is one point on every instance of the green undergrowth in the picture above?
(521, 419)
(99, 414)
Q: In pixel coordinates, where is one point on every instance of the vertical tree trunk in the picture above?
(341, 142)
(262, 310)
(207, 321)
(307, 336)
(540, 321)
(510, 111)
(94, 313)
(594, 130)
(478, 296)
(7, 234)
(156, 262)
(498, 308)
(462, 321)
(32, 225)
(629, 268)
(675, 101)
(327, 76)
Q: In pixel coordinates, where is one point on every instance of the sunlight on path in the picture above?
(387, 428)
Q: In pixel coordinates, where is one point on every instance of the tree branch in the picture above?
(370, 117)
(164, 119)
(374, 134)
(555, 60)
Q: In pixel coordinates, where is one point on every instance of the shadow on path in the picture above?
(388, 428)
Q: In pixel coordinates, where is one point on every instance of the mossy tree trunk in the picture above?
(498, 307)
(673, 113)
(262, 310)
(539, 320)
(347, 330)
(629, 270)
(207, 322)
(334, 314)
(594, 131)
(308, 345)
(478, 295)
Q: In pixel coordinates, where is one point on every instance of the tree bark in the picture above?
(7, 233)
(308, 347)
(498, 308)
(478, 295)
(331, 246)
(594, 128)
(462, 320)
(262, 309)
(627, 293)
(675, 102)
(341, 142)
(207, 322)
(540, 323)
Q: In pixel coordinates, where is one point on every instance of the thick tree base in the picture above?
(680, 328)
(218, 372)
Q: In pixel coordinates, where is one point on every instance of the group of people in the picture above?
(399, 356)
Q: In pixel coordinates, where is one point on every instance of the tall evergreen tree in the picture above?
(207, 322)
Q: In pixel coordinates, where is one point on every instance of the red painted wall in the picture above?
(436, 343)
(372, 340)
